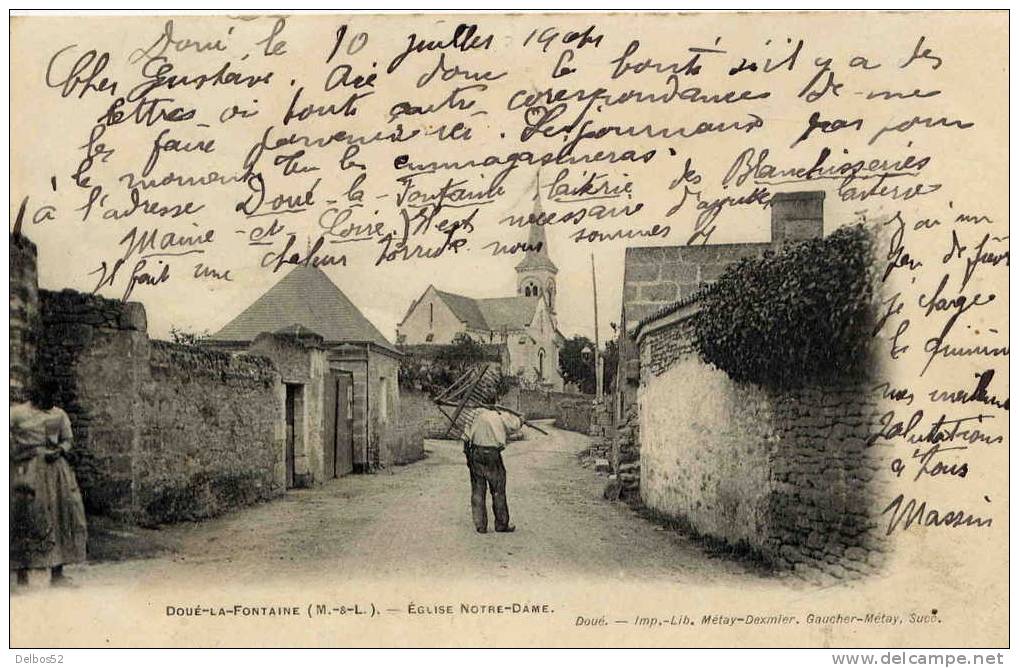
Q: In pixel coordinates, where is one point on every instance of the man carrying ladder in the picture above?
(485, 438)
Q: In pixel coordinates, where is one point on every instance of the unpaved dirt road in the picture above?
(414, 522)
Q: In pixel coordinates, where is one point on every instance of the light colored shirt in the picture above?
(32, 427)
(488, 428)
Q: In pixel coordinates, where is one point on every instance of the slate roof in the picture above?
(509, 312)
(491, 314)
(464, 308)
(304, 299)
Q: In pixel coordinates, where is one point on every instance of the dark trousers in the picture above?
(487, 470)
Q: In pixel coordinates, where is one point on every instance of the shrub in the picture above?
(797, 316)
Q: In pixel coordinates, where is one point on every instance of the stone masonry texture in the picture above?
(24, 313)
(163, 432)
(787, 474)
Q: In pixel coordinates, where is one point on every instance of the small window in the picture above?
(430, 337)
(431, 315)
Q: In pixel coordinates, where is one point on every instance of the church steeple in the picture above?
(536, 271)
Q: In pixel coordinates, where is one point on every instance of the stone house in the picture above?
(525, 324)
(343, 401)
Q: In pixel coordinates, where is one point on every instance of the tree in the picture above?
(436, 371)
(462, 354)
(576, 365)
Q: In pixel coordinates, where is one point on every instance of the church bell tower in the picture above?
(536, 272)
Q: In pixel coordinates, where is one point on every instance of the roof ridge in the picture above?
(306, 296)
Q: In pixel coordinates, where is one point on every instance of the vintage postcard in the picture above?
(509, 330)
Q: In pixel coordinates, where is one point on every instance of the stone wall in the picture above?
(163, 432)
(575, 416)
(392, 440)
(24, 314)
(539, 404)
(655, 278)
(418, 411)
(93, 353)
(786, 474)
(404, 441)
(210, 434)
(417, 408)
(626, 454)
(601, 429)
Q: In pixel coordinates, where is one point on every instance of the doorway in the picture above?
(339, 436)
(293, 404)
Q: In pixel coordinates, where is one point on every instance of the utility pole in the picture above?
(598, 371)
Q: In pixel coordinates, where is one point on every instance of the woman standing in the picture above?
(47, 523)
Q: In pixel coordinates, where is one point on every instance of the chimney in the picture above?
(796, 216)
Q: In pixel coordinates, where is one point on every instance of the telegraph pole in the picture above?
(598, 371)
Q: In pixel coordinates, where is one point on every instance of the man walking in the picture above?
(484, 440)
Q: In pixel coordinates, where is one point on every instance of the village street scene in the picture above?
(298, 434)
(414, 522)
(558, 327)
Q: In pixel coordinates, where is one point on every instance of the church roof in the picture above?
(509, 312)
(464, 308)
(536, 257)
(492, 314)
(305, 299)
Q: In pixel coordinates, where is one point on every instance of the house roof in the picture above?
(304, 299)
(491, 314)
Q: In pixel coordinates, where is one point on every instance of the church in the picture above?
(524, 326)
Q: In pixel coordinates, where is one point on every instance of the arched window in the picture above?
(541, 364)
(431, 315)
(550, 294)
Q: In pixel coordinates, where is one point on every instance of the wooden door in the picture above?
(330, 407)
(344, 424)
(290, 454)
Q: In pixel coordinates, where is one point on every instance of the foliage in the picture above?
(462, 354)
(577, 367)
(800, 315)
(201, 496)
(437, 372)
(187, 337)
